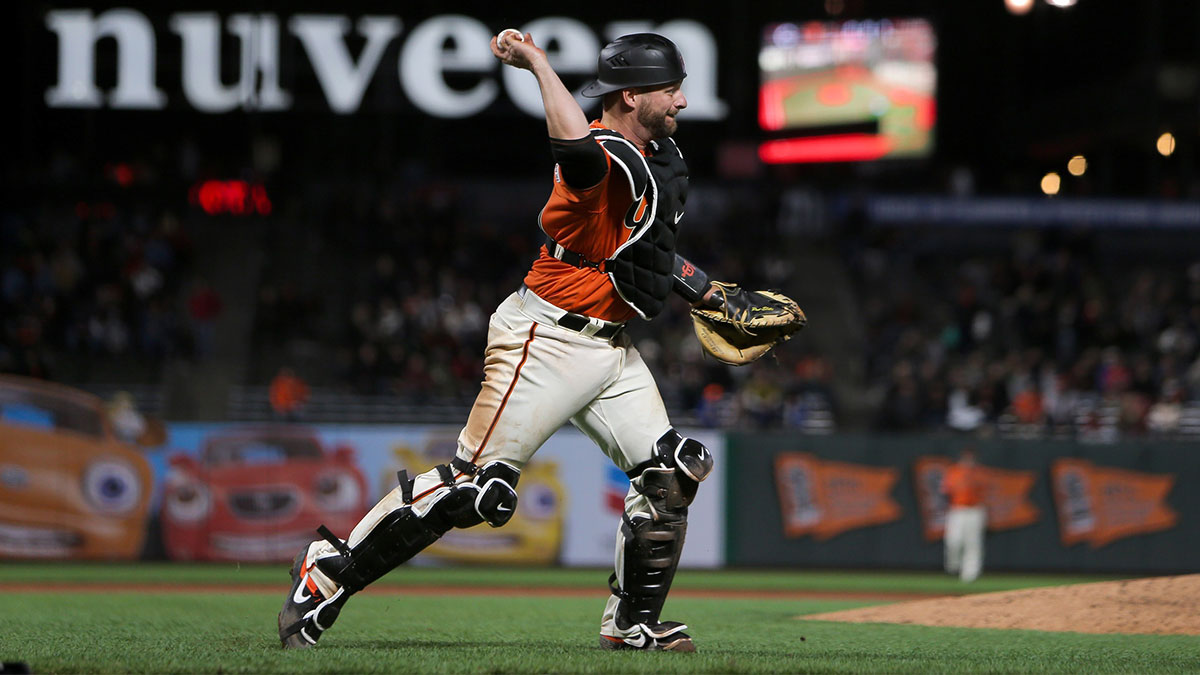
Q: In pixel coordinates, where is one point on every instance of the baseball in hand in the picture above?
(503, 36)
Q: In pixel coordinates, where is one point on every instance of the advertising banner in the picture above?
(71, 486)
(865, 500)
(71, 489)
(570, 496)
(1100, 504)
(825, 498)
(266, 62)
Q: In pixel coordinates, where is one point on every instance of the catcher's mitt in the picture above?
(747, 324)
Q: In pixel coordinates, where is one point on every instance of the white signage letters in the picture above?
(423, 60)
(699, 49)
(78, 31)
(259, 37)
(448, 44)
(343, 81)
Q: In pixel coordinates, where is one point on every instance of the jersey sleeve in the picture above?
(582, 163)
(588, 199)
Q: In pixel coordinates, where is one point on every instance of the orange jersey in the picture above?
(963, 485)
(590, 222)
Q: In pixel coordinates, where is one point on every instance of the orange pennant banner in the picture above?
(1006, 496)
(825, 498)
(1101, 504)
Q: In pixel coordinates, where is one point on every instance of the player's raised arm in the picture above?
(564, 118)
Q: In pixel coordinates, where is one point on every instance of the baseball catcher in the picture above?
(558, 352)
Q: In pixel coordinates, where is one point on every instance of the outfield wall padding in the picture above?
(755, 525)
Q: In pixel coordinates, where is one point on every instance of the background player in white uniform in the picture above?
(966, 517)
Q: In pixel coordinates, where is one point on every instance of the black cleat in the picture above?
(661, 637)
(306, 613)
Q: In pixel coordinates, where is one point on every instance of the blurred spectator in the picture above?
(714, 406)
(1027, 406)
(1165, 414)
(204, 306)
(288, 394)
(761, 397)
(127, 423)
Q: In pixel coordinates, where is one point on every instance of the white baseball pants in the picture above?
(965, 528)
(537, 377)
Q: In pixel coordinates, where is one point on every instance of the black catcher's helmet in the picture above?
(636, 60)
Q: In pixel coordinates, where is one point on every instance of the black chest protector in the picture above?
(642, 267)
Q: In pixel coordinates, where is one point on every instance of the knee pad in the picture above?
(490, 496)
(693, 459)
(497, 499)
(670, 479)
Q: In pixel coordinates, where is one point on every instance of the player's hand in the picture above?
(515, 53)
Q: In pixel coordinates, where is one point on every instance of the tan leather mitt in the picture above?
(746, 324)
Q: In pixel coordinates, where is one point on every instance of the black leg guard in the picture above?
(651, 545)
(402, 534)
(651, 556)
(398, 537)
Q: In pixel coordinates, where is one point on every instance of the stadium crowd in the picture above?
(1048, 331)
(92, 280)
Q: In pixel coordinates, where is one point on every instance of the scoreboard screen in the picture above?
(835, 91)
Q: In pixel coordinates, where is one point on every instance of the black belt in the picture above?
(570, 257)
(577, 322)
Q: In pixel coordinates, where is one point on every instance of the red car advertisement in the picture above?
(257, 494)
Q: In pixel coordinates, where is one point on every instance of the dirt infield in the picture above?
(1158, 606)
(496, 591)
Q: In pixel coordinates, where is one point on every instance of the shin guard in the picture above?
(402, 534)
(650, 556)
(399, 536)
(651, 543)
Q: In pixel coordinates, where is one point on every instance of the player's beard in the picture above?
(659, 124)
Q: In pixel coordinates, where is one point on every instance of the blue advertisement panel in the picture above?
(72, 488)
(264, 488)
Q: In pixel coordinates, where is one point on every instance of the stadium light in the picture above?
(1061, 4)
(1051, 182)
(1077, 165)
(1166, 144)
(1018, 7)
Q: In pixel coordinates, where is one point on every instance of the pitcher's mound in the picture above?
(1161, 606)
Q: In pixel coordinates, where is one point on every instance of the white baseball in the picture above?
(500, 39)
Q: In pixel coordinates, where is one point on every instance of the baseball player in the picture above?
(557, 351)
(966, 518)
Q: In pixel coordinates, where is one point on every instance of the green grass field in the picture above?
(419, 630)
